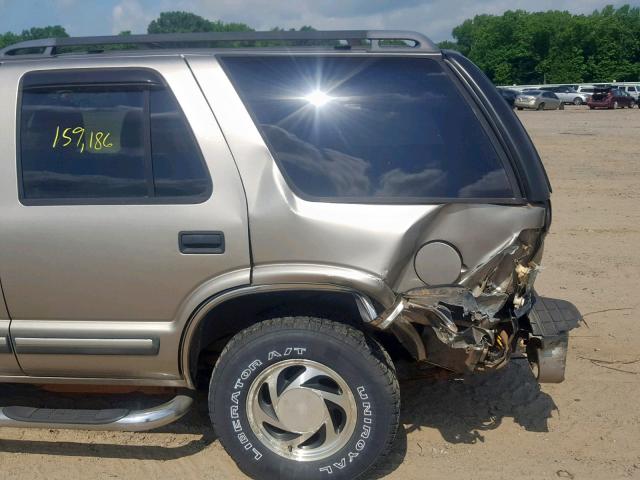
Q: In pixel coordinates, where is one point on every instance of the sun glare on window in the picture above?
(318, 98)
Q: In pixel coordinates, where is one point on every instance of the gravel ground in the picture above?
(495, 426)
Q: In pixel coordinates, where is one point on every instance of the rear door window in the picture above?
(369, 128)
(101, 137)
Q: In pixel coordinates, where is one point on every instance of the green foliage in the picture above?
(183, 22)
(448, 45)
(33, 33)
(557, 47)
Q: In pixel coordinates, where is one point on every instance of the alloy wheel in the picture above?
(301, 410)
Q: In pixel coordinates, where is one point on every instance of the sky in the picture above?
(435, 18)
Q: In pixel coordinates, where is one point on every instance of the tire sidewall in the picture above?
(232, 380)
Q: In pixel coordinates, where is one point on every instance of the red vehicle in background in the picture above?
(609, 97)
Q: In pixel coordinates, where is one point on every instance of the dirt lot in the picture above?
(494, 427)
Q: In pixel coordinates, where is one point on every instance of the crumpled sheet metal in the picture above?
(431, 306)
(463, 344)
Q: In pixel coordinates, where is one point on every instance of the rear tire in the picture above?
(541, 106)
(302, 397)
(577, 101)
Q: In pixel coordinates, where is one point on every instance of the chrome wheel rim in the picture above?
(301, 410)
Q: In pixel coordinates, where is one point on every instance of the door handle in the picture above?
(201, 242)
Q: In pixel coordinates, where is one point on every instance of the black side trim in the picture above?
(86, 346)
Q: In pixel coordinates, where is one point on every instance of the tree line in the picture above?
(520, 47)
(517, 47)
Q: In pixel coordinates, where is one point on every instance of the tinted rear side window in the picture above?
(82, 142)
(95, 141)
(178, 169)
(369, 128)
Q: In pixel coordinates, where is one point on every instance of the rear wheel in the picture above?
(541, 106)
(302, 397)
(577, 101)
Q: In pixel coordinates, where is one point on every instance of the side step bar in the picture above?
(112, 419)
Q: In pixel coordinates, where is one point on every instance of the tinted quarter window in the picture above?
(82, 142)
(178, 169)
(93, 140)
(375, 127)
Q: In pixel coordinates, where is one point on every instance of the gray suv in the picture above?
(281, 216)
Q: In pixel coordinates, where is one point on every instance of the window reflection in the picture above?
(356, 127)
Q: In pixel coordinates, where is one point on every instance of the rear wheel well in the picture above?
(227, 319)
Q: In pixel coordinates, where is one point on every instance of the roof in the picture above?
(362, 40)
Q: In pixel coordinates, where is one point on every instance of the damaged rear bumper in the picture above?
(450, 328)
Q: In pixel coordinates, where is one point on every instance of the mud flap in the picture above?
(550, 320)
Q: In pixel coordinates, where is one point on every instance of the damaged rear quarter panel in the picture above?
(296, 241)
(478, 232)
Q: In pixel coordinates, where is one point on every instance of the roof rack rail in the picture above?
(378, 39)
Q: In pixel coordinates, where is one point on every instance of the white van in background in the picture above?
(633, 90)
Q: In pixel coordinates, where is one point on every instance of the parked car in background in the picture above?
(538, 100)
(568, 94)
(633, 100)
(609, 97)
(586, 90)
(509, 95)
(632, 90)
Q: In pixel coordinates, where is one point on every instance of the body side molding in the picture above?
(87, 346)
(4, 345)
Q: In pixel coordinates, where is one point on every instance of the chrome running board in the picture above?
(110, 419)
